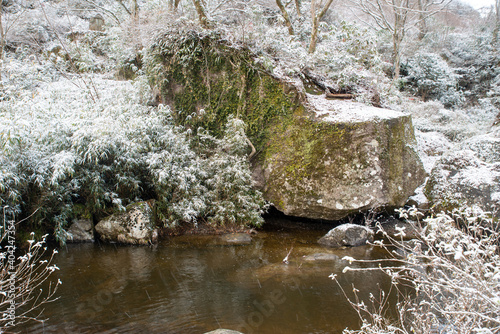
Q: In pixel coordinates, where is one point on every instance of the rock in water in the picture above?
(236, 238)
(81, 231)
(320, 257)
(347, 235)
(135, 226)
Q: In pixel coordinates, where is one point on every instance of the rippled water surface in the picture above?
(194, 284)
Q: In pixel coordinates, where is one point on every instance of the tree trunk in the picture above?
(288, 22)
(202, 16)
(315, 23)
(297, 7)
(314, 37)
(400, 15)
(396, 59)
(135, 10)
(314, 29)
(496, 30)
(422, 21)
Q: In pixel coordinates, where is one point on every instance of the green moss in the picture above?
(301, 146)
(80, 211)
(205, 80)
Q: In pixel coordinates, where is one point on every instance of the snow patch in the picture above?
(348, 111)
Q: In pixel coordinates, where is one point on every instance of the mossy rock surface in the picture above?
(134, 226)
(349, 158)
(316, 158)
(205, 78)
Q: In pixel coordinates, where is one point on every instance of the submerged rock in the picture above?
(347, 235)
(468, 176)
(135, 226)
(223, 331)
(317, 158)
(236, 238)
(82, 230)
(320, 257)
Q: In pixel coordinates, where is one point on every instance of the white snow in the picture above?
(348, 111)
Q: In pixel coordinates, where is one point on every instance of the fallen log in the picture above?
(331, 96)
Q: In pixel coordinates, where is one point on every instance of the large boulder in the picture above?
(347, 235)
(347, 158)
(316, 158)
(134, 226)
(467, 176)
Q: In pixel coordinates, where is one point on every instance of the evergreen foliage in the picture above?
(64, 155)
(428, 75)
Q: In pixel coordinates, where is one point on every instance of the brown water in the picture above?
(194, 284)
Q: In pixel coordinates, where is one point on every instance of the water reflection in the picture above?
(196, 284)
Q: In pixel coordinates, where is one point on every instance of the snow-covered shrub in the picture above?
(229, 180)
(60, 148)
(95, 51)
(345, 55)
(475, 59)
(452, 270)
(428, 75)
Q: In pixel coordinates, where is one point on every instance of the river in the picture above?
(194, 284)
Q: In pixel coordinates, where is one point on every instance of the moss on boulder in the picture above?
(347, 159)
(205, 78)
(316, 158)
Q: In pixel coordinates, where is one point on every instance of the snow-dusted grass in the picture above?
(102, 148)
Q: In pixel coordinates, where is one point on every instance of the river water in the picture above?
(194, 284)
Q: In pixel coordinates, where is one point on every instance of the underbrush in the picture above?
(453, 271)
(67, 153)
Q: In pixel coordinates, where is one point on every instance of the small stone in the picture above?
(347, 235)
(320, 257)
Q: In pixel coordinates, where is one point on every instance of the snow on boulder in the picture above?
(135, 226)
(468, 176)
(347, 235)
